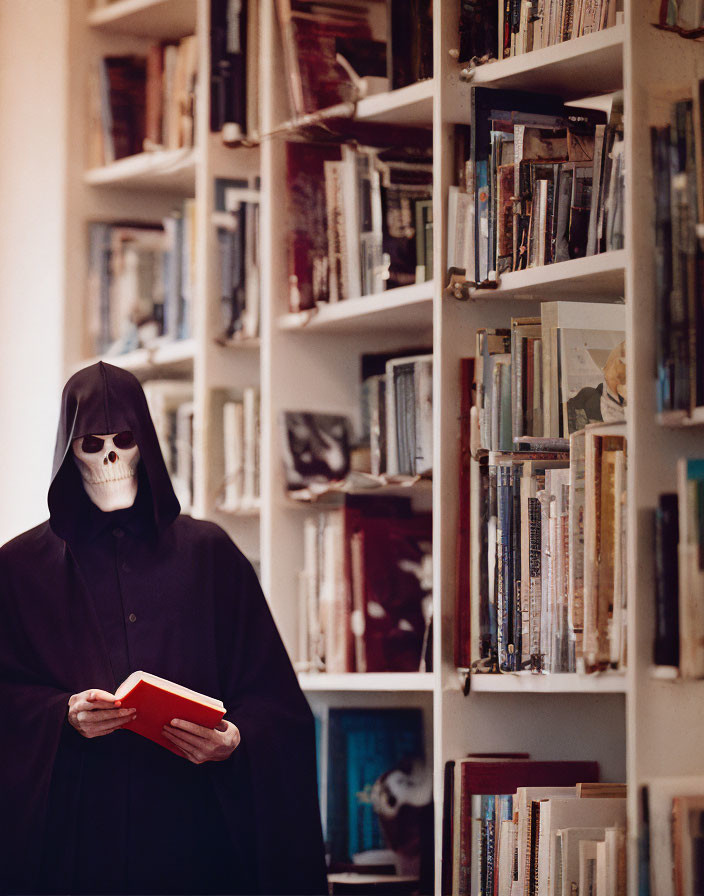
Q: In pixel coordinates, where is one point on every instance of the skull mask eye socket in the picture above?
(124, 440)
(92, 444)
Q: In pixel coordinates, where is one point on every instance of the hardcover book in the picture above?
(158, 701)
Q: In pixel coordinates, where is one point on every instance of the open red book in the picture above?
(158, 701)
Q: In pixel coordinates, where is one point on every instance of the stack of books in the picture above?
(234, 68)
(236, 220)
(512, 825)
(171, 407)
(141, 281)
(366, 588)
(545, 183)
(242, 453)
(679, 573)
(338, 53)
(678, 179)
(143, 102)
(499, 29)
(360, 220)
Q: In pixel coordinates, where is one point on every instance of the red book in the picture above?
(158, 701)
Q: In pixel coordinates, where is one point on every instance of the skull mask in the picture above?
(108, 466)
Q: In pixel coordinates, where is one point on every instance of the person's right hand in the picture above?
(94, 713)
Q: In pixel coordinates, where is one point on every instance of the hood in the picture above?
(103, 399)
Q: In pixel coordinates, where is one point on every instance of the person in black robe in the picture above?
(89, 597)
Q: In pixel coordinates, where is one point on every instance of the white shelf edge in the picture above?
(367, 681)
(355, 309)
(681, 419)
(115, 15)
(566, 51)
(159, 163)
(562, 273)
(383, 105)
(549, 683)
(180, 351)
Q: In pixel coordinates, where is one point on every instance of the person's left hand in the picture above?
(200, 744)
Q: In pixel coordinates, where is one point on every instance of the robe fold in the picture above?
(88, 597)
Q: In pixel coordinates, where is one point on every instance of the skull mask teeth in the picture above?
(109, 470)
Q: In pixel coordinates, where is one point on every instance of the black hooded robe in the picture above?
(88, 597)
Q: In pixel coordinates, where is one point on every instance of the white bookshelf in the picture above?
(634, 725)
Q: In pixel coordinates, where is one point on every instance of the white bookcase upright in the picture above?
(633, 725)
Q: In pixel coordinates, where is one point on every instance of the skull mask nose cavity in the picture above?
(112, 457)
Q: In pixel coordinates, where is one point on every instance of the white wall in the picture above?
(33, 75)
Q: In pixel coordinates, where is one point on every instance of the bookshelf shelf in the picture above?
(172, 171)
(404, 308)
(552, 683)
(411, 105)
(157, 19)
(599, 277)
(167, 357)
(681, 419)
(368, 681)
(586, 66)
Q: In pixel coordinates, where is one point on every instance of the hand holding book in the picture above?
(94, 713)
(199, 744)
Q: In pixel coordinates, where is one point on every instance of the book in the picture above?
(158, 701)
(666, 647)
(690, 492)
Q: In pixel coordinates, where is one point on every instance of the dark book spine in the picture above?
(517, 617)
(666, 650)
(448, 811)
(493, 564)
(534, 585)
(660, 151)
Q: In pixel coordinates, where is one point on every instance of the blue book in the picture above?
(363, 744)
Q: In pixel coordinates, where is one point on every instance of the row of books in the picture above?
(678, 181)
(679, 573)
(549, 376)
(234, 68)
(365, 591)
(499, 29)
(547, 559)
(237, 226)
(360, 219)
(171, 407)
(141, 103)
(672, 849)
(320, 451)
(375, 791)
(335, 53)
(241, 445)
(520, 827)
(141, 281)
(544, 183)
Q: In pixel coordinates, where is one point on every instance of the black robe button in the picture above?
(132, 617)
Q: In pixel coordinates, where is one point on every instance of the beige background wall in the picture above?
(32, 179)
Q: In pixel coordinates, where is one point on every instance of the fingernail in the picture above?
(174, 723)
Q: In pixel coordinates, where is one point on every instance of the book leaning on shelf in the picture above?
(544, 184)
(141, 281)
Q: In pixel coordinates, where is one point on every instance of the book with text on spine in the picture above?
(158, 701)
